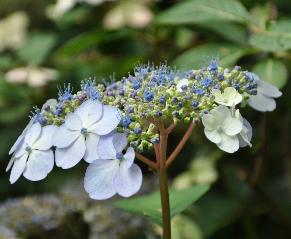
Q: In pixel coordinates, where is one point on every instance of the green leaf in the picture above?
(150, 205)
(215, 212)
(227, 54)
(88, 40)
(230, 31)
(197, 11)
(36, 48)
(277, 38)
(272, 71)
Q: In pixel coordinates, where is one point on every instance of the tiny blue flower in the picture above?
(162, 100)
(195, 104)
(148, 95)
(213, 65)
(155, 140)
(89, 88)
(220, 77)
(207, 82)
(159, 113)
(136, 84)
(130, 110)
(237, 68)
(126, 120)
(137, 130)
(198, 91)
(65, 94)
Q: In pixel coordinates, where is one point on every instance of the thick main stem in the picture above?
(164, 190)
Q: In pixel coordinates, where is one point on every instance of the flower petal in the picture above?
(129, 157)
(128, 180)
(218, 96)
(212, 135)
(18, 168)
(232, 126)
(91, 147)
(119, 142)
(220, 113)
(209, 122)
(64, 137)
(39, 164)
(106, 148)
(229, 144)
(90, 112)
(11, 161)
(99, 176)
(20, 150)
(32, 134)
(245, 135)
(268, 89)
(45, 142)
(108, 122)
(21, 137)
(68, 157)
(232, 96)
(73, 122)
(262, 103)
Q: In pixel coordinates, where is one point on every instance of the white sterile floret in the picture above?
(222, 128)
(182, 84)
(78, 137)
(114, 172)
(264, 101)
(230, 97)
(32, 155)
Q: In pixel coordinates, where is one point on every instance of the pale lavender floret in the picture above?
(114, 173)
(78, 136)
(33, 156)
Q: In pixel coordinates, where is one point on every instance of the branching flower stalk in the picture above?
(110, 125)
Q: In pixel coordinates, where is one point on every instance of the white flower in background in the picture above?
(13, 30)
(58, 9)
(33, 76)
(32, 154)
(134, 14)
(78, 137)
(114, 172)
(264, 101)
(182, 84)
(230, 97)
(222, 128)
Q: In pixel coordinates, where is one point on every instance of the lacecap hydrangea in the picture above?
(107, 125)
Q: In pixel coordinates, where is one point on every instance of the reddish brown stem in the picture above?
(170, 128)
(164, 188)
(157, 153)
(145, 160)
(181, 144)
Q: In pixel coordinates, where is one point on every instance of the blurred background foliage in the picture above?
(44, 44)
